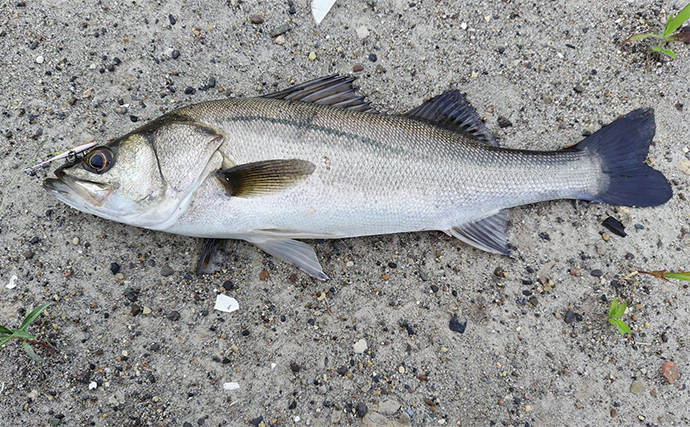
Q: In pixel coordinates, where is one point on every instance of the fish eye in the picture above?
(99, 160)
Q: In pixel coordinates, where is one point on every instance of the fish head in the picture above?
(146, 178)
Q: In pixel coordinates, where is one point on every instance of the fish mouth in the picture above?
(77, 192)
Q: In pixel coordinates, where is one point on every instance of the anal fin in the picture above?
(299, 254)
(488, 234)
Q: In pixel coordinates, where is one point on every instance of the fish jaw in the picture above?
(80, 194)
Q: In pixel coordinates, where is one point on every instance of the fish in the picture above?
(316, 161)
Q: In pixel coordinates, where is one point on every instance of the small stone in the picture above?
(114, 267)
(189, 90)
(596, 273)
(28, 254)
(130, 294)
(172, 19)
(373, 57)
(457, 325)
(360, 346)
(614, 226)
(684, 166)
(636, 387)
(280, 40)
(498, 272)
(670, 372)
(389, 407)
(264, 275)
(257, 19)
(135, 310)
(342, 370)
(39, 59)
(146, 310)
(362, 32)
(579, 89)
(282, 29)
(312, 56)
(503, 122)
(295, 367)
(174, 316)
(167, 271)
(569, 316)
(357, 68)
(361, 409)
(175, 54)
(544, 235)
(256, 421)
(134, 118)
(75, 241)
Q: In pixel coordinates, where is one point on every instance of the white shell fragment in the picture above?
(93, 385)
(360, 346)
(231, 386)
(226, 304)
(12, 283)
(320, 8)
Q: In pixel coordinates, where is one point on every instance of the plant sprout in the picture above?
(670, 34)
(22, 334)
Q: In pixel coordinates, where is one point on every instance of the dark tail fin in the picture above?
(622, 147)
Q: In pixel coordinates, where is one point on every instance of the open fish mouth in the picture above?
(77, 192)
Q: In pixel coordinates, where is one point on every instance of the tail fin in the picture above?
(622, 147)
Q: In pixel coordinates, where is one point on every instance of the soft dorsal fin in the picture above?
(265, 177)
(452, 111)
(488, 234)
(334, 90)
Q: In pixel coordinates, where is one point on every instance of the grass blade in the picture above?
(3, 340)
(623, 328)
(675, 23)
(613, 309)
(4, 330)
(681, 275)
(20, 333)
(30, 351)
(34, 314)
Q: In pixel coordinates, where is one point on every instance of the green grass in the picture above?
(615, 313)
(670, 33)
(24, 336)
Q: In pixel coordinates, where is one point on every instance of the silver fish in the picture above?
(317, 162)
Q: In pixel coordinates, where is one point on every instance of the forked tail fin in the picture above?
(622, 147)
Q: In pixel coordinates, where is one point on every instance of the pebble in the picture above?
(280, 30)
(361, 409)
(130, 294)
(174, 315)
(614, 226)
(389, 407)
(636, 387)
(167, 271)
(172, 19)
(596, 273)
(312, 56)
(357, 68)
(257, 19)
(373, 57)
(39, 59)
(684, 166)
(175, 54)
(342, 370)
(569, 316)
(146, 310)
(295, 367)
(75, 241)
(28, 254)
(360, 346)
(256, 421)
(504, 122)
(457, 325)
(114, 267)
(280, 40)
(362, 32)
(579, 89)
(670, 372)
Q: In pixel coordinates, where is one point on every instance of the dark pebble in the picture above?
(211, 82)
(342, 370)
(457, 325)
(533, 300)
(410, 331)
(134, 119)
(282, 318)
(614, 226)
(28, 254)
(579, 89)
(117, 61)
(257, 19)
(135, 310)
(293, 405)
(155, 347)
(172, 19)
(372, 57)
(499, 272)
(361, 409)
(225, 361)
(245, 332)
(294, 367)
(526, 292)
(189, 90)
(434, 288)
(167, 271)
(292, 10)
(228, 286)
(596, 273)
(34, 240)
(130, 294)
(544, 235)
(503, 122)
(639, 226)
(175, 54)
(200, 421)
(392, 265)
(174, 315)
(114, 267)
(256, 421)
(569, 316)
(186, 424)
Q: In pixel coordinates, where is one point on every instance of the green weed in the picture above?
(670, 33)
(664, 275)
(615, 313)
(24, 336)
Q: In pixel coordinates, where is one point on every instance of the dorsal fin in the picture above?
(334, 90)
(452, 111)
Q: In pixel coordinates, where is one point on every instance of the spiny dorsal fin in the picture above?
(265, 177)
(452, 111)
(334, 90)
(488, 234)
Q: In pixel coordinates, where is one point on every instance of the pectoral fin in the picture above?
(488, 234)
(296, 253)
(260, 178)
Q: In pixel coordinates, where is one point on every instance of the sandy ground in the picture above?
(148, 338)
